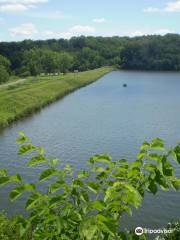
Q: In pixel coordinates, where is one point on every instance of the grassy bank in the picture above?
(22, 99)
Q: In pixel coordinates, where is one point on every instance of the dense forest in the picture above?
(83, 53)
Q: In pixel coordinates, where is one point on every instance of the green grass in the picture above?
(22, 99)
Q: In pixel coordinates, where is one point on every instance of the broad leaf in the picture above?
(37, 160)
(157, 144)
(47, 174)
(26, 149)
(17, 192)
(4, 180)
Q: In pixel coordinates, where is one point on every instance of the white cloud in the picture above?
(26, 29)
(52, 34)
(99, 20)
(169, 7)
(13, 8)
(18, 5)
(136, 33)
(73, 31)
(50, 15)
(162, 31)
(25, 2)
(82, 29)
(173, 7)
(151, 9)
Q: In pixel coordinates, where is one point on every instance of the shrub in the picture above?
(9, 229)
(89, 205)
(175, 235)
(4, 75)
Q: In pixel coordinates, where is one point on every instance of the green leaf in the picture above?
(47, 174)
(99, 169)
(123, 162)
(114, 206)
(23, 225)
(173, 154)
(112, 192)
(136, 164)
(177, 153)
(68, 168)
(157, 144)
(100, 158)
(17, 192)
(34, 161)
(94, 187)
(83, 174)
(142, 154)
(41, 150)
(152, 187)
(154, 156)
(54, 187)
(54, 162)
(149, 167)
(3, 172)
(134, 173)
(104, 158)
(99, 205)
(84, 196)
(76, 216)
(55, 200)
(175, 184)
(78, 183)
(145, 145)
(161, 180)
(22, 138)
(127, 210)
(88, 229)
(32, 200)
(106, 224)
(16, 178)
(4, 180)
(26, 149)
(133, 196)
(168, 170)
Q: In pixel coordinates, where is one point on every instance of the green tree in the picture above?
(64, 62)
(5, 62)
(4, 75)
(32, 60)
(49, 61)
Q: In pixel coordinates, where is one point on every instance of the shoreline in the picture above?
(31, 96)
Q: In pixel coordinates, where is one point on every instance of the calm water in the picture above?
(105, 117)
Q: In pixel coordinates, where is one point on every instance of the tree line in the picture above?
(83, 53)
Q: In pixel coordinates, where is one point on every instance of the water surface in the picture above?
(105, 117)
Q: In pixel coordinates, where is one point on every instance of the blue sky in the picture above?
(44, 19)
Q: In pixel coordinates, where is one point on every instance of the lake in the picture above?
(104, 117)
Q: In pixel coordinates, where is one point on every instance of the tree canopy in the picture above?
(4, 69)
(83, 53)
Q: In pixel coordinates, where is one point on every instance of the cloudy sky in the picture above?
(44, 19)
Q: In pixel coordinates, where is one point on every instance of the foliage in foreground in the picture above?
(88, 205)
(175, 235)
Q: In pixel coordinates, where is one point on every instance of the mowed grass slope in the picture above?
(22, 99)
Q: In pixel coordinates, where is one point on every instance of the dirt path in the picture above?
(12, 83)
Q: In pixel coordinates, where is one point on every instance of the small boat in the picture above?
(124, 85)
